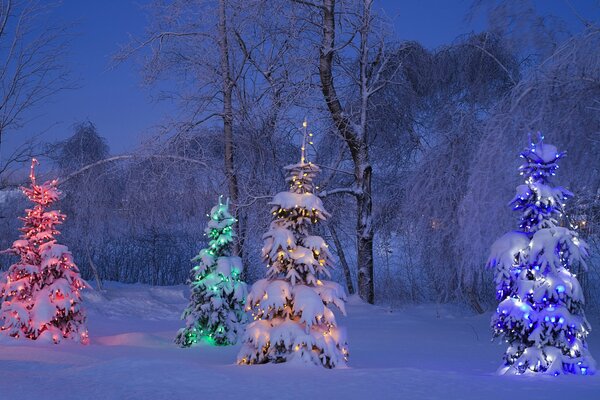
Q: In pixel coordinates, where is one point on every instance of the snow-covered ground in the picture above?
(417, 352)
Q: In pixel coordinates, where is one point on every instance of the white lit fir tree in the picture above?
(541, 314)
(216, 308)
(293, 319)
(41, 295)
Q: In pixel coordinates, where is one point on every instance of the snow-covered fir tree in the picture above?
(41, 296)
(293, 320)
(216, 309)
(541, 305)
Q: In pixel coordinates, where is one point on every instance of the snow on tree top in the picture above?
(542, 153)
(307, 201)
(309, 304)
(302, 255)
(314, 242)
(44, 194)
(300, 177)
(219, 221)
(227, 266)
(53, 250)
(550, 247)
(20, 243)
(277, 238)
(303, 166)
(507, 248)
(220, 217)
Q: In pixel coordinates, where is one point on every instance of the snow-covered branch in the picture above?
(130, 157)
(354, 191)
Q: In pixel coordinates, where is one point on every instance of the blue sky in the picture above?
(124, 111)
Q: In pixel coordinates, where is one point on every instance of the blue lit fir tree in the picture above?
(540, 314)
(216, 309)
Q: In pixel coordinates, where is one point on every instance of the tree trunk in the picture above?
(230, 174)
(356, 139)
(475, 301)
(93, 267)
(364, 237)
(342, 257)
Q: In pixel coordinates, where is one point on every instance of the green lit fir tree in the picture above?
(216, 309)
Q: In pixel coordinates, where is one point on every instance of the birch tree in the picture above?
(363, 39)
(226, 61)
(187, 48)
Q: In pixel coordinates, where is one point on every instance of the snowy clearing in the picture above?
(418, 352)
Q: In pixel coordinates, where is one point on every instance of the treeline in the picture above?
(418, 147)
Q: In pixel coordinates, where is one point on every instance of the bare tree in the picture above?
(32, 52)
(182, 40)
(236, 71)
(134, 217)
(227, 115)
(84, 192)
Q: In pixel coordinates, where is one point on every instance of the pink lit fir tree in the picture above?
(41, 295)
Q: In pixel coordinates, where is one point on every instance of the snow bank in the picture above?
(418, 352)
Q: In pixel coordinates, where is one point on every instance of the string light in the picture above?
(44, 264)
(295, 260)
(534, 309)
(214, 313)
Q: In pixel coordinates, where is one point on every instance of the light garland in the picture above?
(292, 302)
(44, 274)
(217, 289)
(541, 303)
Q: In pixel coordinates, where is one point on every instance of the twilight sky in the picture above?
(124, 111)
